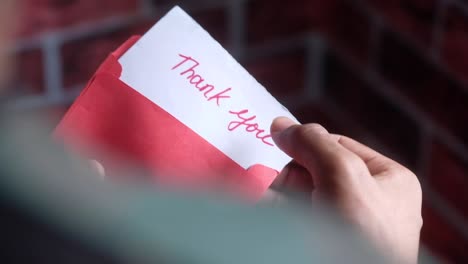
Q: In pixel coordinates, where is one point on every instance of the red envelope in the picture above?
(111, 117)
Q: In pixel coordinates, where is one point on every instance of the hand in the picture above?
(97, 167)
(378, 195)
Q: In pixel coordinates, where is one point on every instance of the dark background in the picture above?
(391, 73)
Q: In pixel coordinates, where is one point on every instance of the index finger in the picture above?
(375, 161)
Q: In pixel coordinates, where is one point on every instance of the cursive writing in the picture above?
(187, 68)
(250, 126)
(199, 82)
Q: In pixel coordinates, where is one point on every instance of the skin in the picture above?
(376, 194)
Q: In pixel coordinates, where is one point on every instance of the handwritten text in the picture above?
(188, 66)
(198, 81)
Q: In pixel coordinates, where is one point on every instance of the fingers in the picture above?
(294, 178)
(97, 167)
(328, 162)
(375, 162)
(273, 197)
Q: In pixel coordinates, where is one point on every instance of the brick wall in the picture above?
(393, 74)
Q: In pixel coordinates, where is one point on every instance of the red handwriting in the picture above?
(249, 126)
(199, 82)
(187, 68)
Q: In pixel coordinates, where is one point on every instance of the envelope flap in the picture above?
(259, 169)
(111, 64)
(126, 46)
(107, 116)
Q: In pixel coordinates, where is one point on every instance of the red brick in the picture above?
(282, 74)
(448, 176)
(29, 74)
(413, 17)
(44, 15)
(317, 113)
(338, 20)
(82, 57)
(170, 3)
(312, 113)
(79, 66)
(270, 19)
(432, 90)
(350, 29)
(370, 110)
(455, 42)
(444, 240)
(141, 27)
(215, 22)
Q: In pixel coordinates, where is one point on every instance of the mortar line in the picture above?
(236, 25)
(315, 61)
(52, 68)
(413, 44)
(438, 31)
(387, 90)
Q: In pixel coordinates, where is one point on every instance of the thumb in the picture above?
(330, 164)
(97, 167)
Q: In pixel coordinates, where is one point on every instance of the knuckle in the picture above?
(398, 170)
(416, 184)
(346, 165)
(316, 128)
(308, 130)
(299, 135)
(405, 173)
(407, 178)
(302, 134)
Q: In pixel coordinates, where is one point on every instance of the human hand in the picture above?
(376, 194)
(97, 167)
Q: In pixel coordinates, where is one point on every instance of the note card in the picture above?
(181, 68)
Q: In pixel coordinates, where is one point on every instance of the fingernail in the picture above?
(97, 167)
(280, 124)
(317, 128)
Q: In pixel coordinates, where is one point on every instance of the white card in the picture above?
(181, 68)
